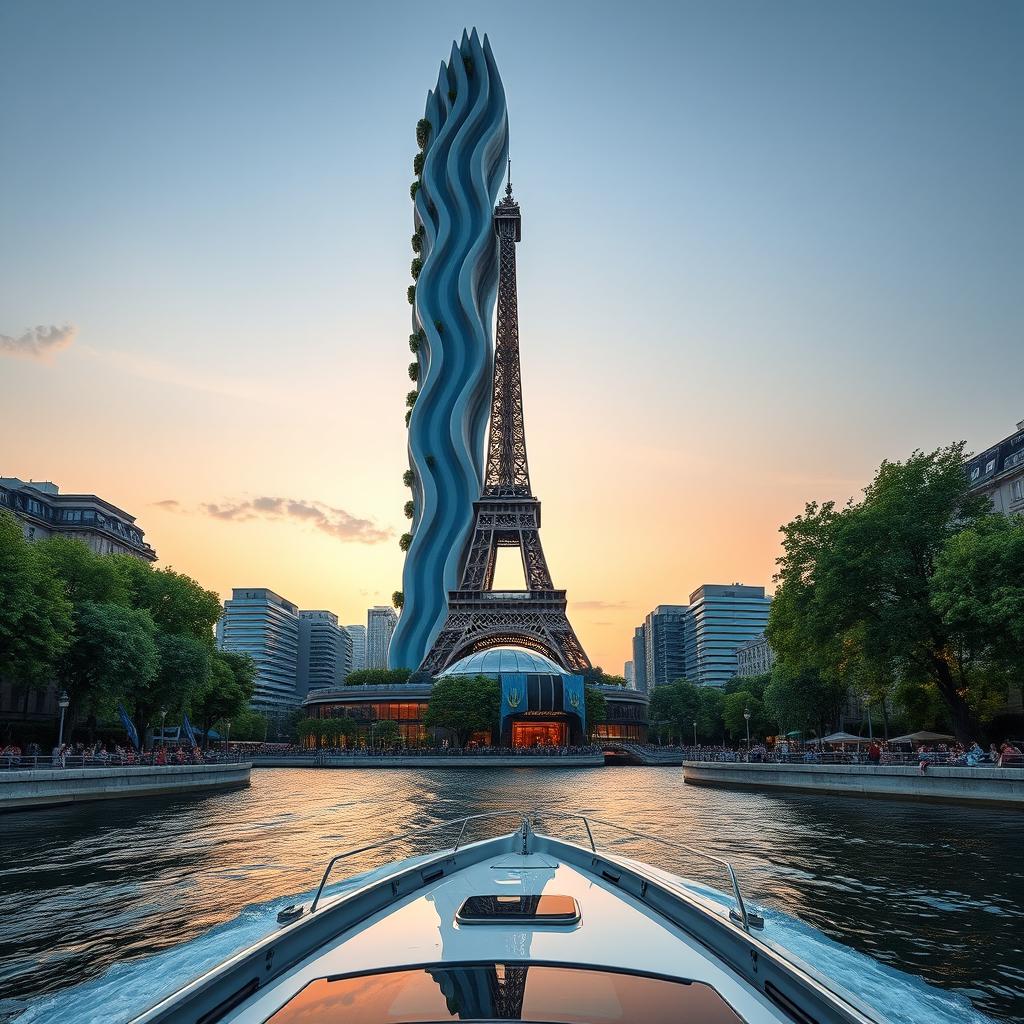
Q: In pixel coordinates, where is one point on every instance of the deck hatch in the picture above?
(519, 909)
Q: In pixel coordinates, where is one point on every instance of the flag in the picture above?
(129, 726)
(187, 726)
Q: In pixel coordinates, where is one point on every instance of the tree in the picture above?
(85, 575)
(465, 705)
(228, 690)
(674, 709)
(249, 725)
(596, 676)
(35, 615)
(596, 706)
(113, 650)
(803, 701)
(733, 706)
(184, 669)
(857, 591)
(378, 676)
(386, 733)
(177, 603)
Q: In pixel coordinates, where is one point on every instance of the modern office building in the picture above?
(639, 660)
(44, 512)
(380, 624)
(999, 473)
(357, 634)
(627, 672)
(721, 618)
(262, 624)
(666, 632)
(325, 652)
(754, 657)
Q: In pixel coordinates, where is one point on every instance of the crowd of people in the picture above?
(875, 752)
(98, 755)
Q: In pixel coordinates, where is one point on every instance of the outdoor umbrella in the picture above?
(844, 737)
(924, 737)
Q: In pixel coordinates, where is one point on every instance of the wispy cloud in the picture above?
(39, 343)
(335, 522)
(170, 504)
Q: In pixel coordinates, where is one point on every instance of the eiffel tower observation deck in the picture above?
(506, 514)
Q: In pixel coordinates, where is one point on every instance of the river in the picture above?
(931, 890)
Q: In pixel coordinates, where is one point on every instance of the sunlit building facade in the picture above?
(380, 624)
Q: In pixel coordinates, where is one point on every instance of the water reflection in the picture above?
(930, 889)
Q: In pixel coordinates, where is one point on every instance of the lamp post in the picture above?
(63, 702)
(695, 732)
(163, 718)
(227, 741)
(867, 706)
(746, 716)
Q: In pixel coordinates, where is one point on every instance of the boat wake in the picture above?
(128, 988)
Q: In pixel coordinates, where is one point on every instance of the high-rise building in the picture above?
(627, 672)
(262, 624)
(325, 652)
(380, 624)
(754, 657)
(721, 618)
(44, 512)
(640, 659)
(665, 638)
(357, 634)
(999, 473)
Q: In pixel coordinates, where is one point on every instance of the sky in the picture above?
(765, 247)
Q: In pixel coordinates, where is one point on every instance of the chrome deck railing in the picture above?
(740, 914)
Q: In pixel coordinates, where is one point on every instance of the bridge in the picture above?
(624, 752)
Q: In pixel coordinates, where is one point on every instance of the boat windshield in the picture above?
(505, 991)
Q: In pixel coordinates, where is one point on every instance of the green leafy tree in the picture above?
(177, 603)
(378, 676)
(229, 688)
(674, 709)
(386, 733)
(596, 706)
(184, 670)
(113, 651)
(35, 614)
(85, 575)
(857, 589)
(464, 705)
(803, 701)
(249, 725)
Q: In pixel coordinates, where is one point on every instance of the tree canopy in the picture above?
(464, 705)
(915, 582)
(378, 676)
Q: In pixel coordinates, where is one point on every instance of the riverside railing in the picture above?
(848, 757)
(451, 752)
(30, 762)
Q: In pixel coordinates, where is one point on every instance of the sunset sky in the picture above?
(764, 247)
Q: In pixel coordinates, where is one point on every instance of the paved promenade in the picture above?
(43, 787)
(1003, 786)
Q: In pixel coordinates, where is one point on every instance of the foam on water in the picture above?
(128, 988)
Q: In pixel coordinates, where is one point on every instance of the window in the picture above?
(975, 473)
(990, 465)
(1018, 490)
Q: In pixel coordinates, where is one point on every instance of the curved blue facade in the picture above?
(464, 165)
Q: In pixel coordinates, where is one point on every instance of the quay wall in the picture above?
(903, 782)
(43, 787)
(398, 761)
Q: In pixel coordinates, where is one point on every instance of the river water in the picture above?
(931, 891)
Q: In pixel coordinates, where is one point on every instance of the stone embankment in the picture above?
(427, 761)
(902, 782)
(45, 787)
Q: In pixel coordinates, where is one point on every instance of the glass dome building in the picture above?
(502, 659)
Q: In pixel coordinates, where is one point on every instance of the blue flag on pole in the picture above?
(187, 726)
(129, 726)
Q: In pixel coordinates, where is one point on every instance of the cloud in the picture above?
(335, 522)
(40, 343)
(168, 503)
(599, 605)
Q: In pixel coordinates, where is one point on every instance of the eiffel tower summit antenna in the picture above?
(506, 514)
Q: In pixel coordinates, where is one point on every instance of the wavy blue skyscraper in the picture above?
(463, 164)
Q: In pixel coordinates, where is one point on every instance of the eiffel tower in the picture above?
(507, 514)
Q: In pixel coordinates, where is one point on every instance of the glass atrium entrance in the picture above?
(531, 733)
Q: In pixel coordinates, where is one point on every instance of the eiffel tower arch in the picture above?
(506, 515)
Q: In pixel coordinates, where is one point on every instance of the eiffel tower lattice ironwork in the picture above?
(506, 514)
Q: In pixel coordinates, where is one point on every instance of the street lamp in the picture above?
(746, 716)
(63, 702)
(163, 718)
(695, 732)
(867, 705)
